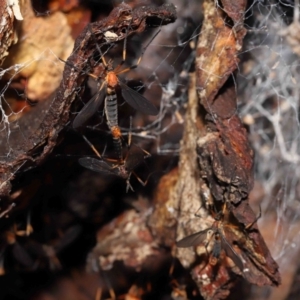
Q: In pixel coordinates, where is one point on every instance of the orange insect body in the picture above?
(116, 132)
(112, 79)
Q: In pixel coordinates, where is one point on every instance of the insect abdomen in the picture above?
(111, 111)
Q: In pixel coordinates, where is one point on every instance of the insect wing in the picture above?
(135, 157)
(70, 235)
(97, 165)
(90, 108)
(231, 253)
(195, 239)
(137, 101)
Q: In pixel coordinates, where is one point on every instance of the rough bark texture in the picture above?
(215, 173)
(7, 35)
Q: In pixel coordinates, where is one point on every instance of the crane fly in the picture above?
(107, 92)
(216, 235)
(29, 254)
(122, 168)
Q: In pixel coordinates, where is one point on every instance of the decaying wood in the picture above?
(41, 137)
(216, 166)
(9, 14)
(38, 73)
(126, 239)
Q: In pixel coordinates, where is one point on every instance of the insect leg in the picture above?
(92, 146)
(128, 185)
(97, 46)
(124, 50)
(141, 56)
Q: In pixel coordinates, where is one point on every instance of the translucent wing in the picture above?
(90, 108)
(195, 239)
(70, 235)
(231, 253)
(97, 165)
(135, 157)
(137, 101)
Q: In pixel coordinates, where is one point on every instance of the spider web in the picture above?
(268, 99)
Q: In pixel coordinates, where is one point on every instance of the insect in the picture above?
(122, 168)
(25, 253)
(215, 235)
(107, 92)
(13, 250)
